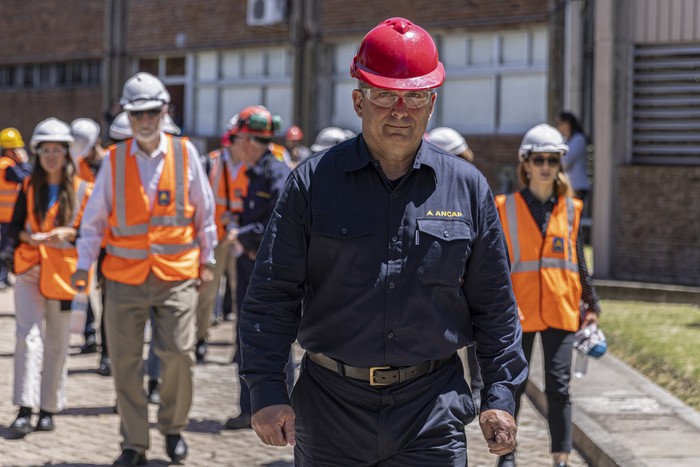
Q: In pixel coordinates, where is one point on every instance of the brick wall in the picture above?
(205, 23)
(24, 109)
(338, 17)
(657, 229)
(50, 30)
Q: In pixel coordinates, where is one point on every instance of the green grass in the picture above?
(662, 341)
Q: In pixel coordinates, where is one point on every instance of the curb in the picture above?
(646, 292)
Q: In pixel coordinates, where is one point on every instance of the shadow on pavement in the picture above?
(198, 425)
(87, 411)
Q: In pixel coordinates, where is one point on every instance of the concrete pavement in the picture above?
(87, 430)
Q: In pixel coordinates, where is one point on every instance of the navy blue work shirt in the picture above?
(373, 275)
(265, 184)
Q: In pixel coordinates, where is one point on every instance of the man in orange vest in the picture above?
(154, 200)
(14, 168)
(230, 185)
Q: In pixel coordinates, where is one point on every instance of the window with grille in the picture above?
(665, 114)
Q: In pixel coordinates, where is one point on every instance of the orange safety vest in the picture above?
(280, 153)
(237, 189)
(57, 263)
(8, 190)
(544, 271)
(84, 170)
(141, 239)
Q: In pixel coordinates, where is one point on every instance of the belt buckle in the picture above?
(372, 369)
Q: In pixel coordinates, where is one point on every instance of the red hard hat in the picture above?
(398, 54)
(294, 133)
(258, 121)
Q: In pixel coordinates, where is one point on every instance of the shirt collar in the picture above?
(259, 167)
(160, 150)
(360, 157)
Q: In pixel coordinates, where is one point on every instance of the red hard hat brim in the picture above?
(432, 80)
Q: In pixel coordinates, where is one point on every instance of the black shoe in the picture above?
(105, 367)
(175, 447)
(153, 392)
(200, 351)
(237, 423)
(129, 457)
(90, 345)
(507, 461)
(45, 422)
(23, 423)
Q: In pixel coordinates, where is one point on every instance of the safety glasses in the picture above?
(539, 161)
(386, 99)
(151, 113)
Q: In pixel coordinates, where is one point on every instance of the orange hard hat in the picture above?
(398, 54)
(259, 121)
(294, 133)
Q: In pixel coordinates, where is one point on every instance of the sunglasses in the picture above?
(539, 161)
(152, 113)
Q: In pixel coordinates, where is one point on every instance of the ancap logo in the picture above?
(444, 213)
(163, 197)
(558, 245)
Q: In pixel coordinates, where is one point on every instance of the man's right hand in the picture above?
(81, 275)
(274, 425)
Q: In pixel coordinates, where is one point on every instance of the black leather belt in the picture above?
(378, 375)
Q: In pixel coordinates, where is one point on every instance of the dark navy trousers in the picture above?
(345, 422)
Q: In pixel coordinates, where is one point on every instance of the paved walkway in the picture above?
(87, 430)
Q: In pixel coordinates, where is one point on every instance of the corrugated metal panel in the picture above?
(666, 104)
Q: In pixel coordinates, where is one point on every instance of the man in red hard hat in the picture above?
(382, 258)
(293, 142)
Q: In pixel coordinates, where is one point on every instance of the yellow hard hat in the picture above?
(10, 138)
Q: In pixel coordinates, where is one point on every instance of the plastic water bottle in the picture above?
(580, 364)
(78, 310)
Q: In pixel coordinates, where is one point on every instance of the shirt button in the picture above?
(343, 230)
(394, 195)
(394, 239)
(445, 234)
(390, 335)
(392, 286)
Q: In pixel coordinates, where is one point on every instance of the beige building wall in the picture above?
(665, 21)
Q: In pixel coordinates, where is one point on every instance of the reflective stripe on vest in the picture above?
(530, 266)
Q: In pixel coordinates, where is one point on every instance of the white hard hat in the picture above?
(331, 136)
(143, 91)
(51, 130)
(542, 138)
(120, 129)
(85, 133)
(448, 140)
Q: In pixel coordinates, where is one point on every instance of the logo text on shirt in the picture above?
(444, 213)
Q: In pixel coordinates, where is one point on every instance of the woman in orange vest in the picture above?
(551, 283)
(44, 223)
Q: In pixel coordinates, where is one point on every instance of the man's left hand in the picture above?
(499, 429)
(206, 273)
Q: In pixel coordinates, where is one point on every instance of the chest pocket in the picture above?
(340, 246)
(444, 246)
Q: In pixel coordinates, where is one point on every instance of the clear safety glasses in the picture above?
(386, 99)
